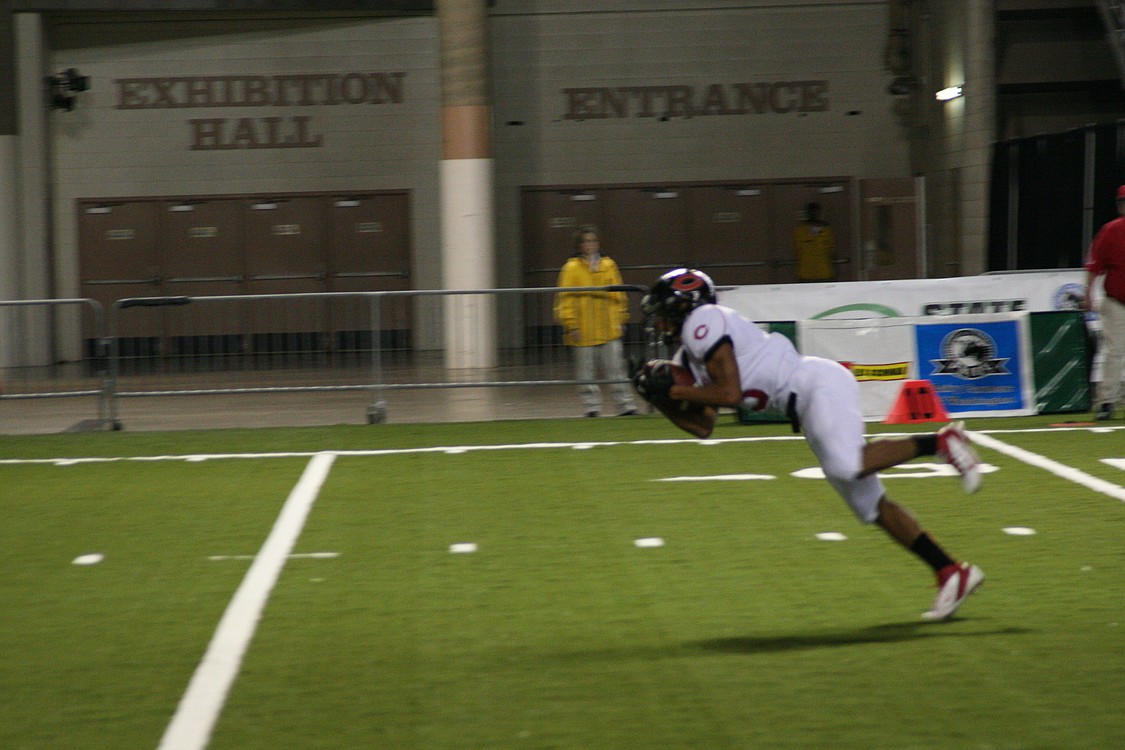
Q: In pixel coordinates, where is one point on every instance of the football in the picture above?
(680, 376)
(696, 419)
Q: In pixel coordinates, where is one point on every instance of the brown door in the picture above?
(201, 254)
(550, 218)
(118, 258)
(285, 245)
(201, 248)
(887, 223)
(646, 231)
(369, 251)
(285, 254)
(730, 228)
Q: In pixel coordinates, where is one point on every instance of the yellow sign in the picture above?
(891, 371)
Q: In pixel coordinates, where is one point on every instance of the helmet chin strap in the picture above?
(660, 330)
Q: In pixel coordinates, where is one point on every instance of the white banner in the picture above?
(880, 353)
(980, 365)
(1033, 291)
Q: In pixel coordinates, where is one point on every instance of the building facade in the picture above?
(213, 151)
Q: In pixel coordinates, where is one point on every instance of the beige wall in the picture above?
(538, 56)
(844, 125)
(103, 150)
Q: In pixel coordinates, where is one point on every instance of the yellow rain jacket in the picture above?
(597, 317)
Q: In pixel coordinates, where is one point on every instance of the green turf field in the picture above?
(740, 629)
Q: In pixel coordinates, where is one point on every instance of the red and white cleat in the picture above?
(955, 583)
(956, 450)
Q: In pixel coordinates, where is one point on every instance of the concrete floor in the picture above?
(25, 416)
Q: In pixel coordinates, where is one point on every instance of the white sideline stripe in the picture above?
(195, 457)
(199, 709)
(717, 478)
(1068, 473)
(294, 556)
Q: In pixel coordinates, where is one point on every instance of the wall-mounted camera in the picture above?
(62, 87)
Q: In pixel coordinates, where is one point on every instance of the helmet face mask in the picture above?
(672, 298)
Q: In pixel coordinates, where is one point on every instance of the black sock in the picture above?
(928, 550)
(927, 444)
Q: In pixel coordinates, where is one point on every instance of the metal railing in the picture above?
(40, 360)
(374, 342)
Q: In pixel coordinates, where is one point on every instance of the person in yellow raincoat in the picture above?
(594, 321)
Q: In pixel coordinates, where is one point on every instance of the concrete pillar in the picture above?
(34, 233)
(8, 249)
(31, 67)
(468, 239)
(9, 190)
(25, 228)
(9, 186)
(980, 132)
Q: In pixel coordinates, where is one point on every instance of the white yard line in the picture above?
(450, 449)
(294, 556)
(459, 449)
(982, 437)
(1068, 473)
(199, 709)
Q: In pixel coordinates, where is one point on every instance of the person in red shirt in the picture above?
(1107, 258)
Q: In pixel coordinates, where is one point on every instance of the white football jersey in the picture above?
(766, 361)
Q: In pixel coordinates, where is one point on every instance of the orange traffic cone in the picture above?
(917, 402)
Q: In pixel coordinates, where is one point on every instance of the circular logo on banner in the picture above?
(700, 332)
(1068, 297)
(969, 353)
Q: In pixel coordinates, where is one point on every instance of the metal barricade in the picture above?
(55, 348)
(380, 343)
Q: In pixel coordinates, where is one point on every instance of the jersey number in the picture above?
(760, 398)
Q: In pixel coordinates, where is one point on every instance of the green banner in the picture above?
(1062, 367)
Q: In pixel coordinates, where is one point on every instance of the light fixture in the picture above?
(949, 93)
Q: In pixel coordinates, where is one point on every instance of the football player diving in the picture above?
(736, 364)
